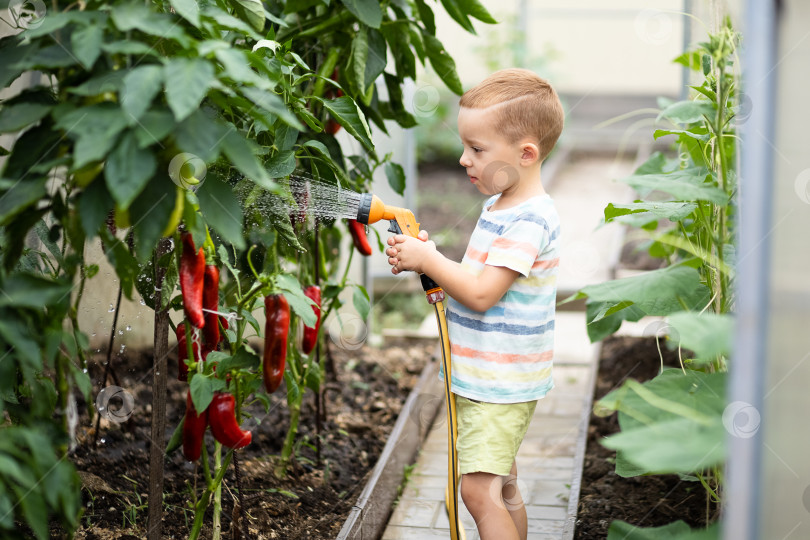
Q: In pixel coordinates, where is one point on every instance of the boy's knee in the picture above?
(468, 490)
(510, 492)
(480, 490)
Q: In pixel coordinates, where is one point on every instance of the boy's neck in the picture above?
(530, 185)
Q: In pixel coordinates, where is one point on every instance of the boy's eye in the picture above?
(476, 149)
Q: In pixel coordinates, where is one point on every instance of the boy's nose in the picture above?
(463, 161)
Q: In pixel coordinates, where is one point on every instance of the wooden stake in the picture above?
(158, 444)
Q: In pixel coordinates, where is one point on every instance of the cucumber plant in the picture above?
(675, 422)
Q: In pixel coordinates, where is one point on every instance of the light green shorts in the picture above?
(489, 434)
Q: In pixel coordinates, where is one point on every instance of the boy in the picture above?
(503, 293)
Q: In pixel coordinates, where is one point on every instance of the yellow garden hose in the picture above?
(371, 210)
(453, 476)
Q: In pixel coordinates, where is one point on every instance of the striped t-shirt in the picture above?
(503, 355)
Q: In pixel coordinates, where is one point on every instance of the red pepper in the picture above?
(222, 417)
(331, 127)
(358, 231)
(313, 292)
(192, 270)
(210, 302)
(193, 430)
(276, 328)
(182, 352)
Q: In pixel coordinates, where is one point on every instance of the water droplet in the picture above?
(129, 327)
(103, 440)
(111, 309)
(85, 370)
(143, 302)
(120, 332)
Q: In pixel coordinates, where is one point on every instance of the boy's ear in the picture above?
(529, 152)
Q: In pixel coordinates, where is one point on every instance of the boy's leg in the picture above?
(481, 493)
(514, 503)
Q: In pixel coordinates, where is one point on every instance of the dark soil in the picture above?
(313, 500)
(645, 501)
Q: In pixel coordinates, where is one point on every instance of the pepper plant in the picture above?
(153, 118)
(686, 212)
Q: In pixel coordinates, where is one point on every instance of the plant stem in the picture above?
(295, 413)
(74, 320)
(722, 232)
(218, 493)
(63, 389)
(108, 364)
(202, 504)
(206, 469)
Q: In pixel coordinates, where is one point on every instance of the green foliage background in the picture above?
(246, 87)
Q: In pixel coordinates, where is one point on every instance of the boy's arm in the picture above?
(478, 293)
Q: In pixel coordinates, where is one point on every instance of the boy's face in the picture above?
(492, 162)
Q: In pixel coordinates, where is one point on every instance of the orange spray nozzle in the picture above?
(371, 210)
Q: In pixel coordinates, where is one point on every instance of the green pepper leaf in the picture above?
(299, 302)
(244, 358)
(313, 376)
(188, 9)
(21, 115)
(241, 153)
(442, 63)
(345, 111)
(221, 209)
(282, 164)
(19, 197)
(202, 390)
(128, 170)
(250, 11)
(94, 204)
(86, 44)
(27, 290)
(361, 301)
(396, 176)
(150, 211)
(358, 58)
(367, 12)
(140, 87)
(187, 81)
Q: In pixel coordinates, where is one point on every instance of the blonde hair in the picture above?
(526, 106)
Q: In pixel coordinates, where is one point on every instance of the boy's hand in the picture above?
(408, 253)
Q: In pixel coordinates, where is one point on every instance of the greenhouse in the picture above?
(404, 269)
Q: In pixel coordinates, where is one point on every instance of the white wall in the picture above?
(582, 46)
